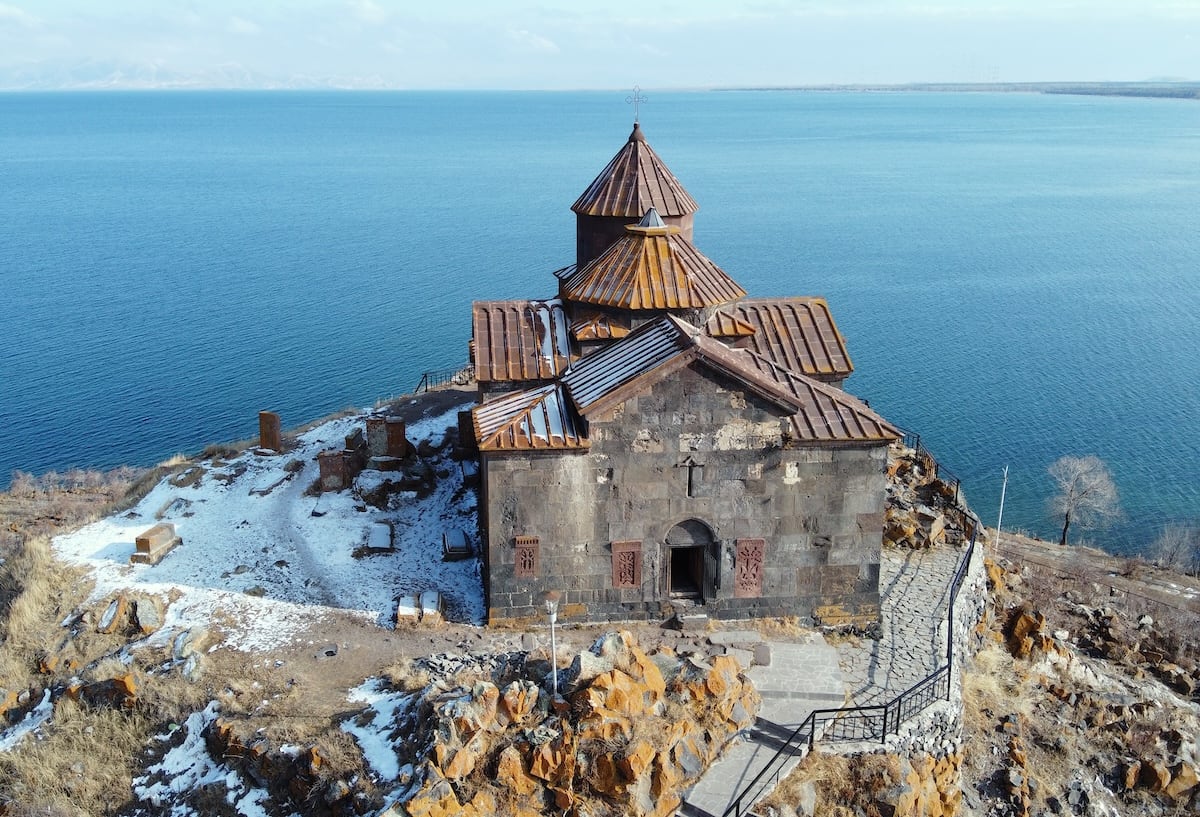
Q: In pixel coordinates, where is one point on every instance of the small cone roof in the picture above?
(634, 181)
(652, 267)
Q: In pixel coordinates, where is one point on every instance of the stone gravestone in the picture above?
(397, 442)
(333, 470)
(268, 431)
(377, 437)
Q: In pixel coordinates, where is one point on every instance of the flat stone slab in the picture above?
(734, 638)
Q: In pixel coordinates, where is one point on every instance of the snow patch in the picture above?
(33, 719)
(189, 767)
(374, 726)
(260, 567)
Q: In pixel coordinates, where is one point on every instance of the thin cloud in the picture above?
(240, 25)
(529, 41)
(17, 16)
(368, 11)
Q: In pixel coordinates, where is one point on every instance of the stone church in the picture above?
(654, 442)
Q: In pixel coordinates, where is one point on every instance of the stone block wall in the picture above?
(693, 448)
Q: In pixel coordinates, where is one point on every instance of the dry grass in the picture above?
(845, 786)
(780, 628)
(46, 592)
(991, 684)
(406, 675)
(81, 763)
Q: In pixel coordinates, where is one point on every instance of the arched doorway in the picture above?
(690, 561)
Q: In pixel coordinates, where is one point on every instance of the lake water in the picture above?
(1017, 276)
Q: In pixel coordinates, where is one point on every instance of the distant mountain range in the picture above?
(1172, 88)
(87, 75)
(95, 74)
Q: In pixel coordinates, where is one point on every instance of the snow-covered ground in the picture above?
(257, 565)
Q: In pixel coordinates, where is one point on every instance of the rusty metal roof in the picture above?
(520, 340)
(797, 333)
(725, 325)
(598, 326)
(533, 420)
(652, 268)
(634, 181)
(817, 412)
(596, 376)
(823, 413)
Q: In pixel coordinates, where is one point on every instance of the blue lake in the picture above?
(1017, 276)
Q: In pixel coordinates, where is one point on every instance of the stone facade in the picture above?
(690, 470)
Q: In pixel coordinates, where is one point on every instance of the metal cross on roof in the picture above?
(635, 99)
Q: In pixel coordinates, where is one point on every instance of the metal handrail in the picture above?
(913, 441)
(460, 375)
(915, 699)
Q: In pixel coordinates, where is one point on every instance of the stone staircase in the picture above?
(800, 678)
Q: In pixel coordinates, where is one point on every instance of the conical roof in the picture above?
(633, 182)
(651, 267)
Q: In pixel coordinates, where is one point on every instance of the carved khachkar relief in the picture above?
(748, 568)
(526, 566)
(627, 564)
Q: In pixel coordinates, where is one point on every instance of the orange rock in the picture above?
(621, 693)
(1154, 776)
(476, 713)
(314, 760)
(510, 772)
(482, 804)
(563, 798)
(519, 701)
(636, 761)
(606, 779)
(114, 616)
(1184, 778)
(442, 752)
(118, 693)
(724, 675)
(666, 805)
(646, 671)
(1132, 773)
(554, 762)
(667, 777)
(1016, 751)
(1020, 632)
(8, 700)
(435, 798)
(605, 726)
(464, 760)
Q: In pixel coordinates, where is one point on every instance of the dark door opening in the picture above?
(687, 573)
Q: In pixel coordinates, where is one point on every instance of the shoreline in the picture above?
(1149, 90)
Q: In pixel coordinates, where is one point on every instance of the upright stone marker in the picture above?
(333, 470)
(377, 436)
(397, 442)
(268, 431)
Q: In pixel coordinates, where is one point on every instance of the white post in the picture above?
(551, 599)
(1000, 518)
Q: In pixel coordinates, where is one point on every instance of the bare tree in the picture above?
(1086, 492)
(1178, 548)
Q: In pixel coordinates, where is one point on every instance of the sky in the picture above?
(574, 44)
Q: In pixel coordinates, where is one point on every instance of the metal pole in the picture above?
(551, 600)
(1000, 517)
(554, 652)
